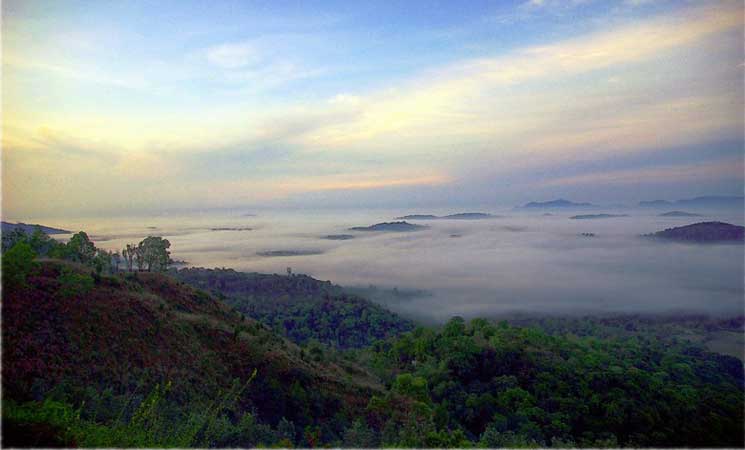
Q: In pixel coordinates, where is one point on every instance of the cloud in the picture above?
(680, 173)
(466, 124)
(233, 56)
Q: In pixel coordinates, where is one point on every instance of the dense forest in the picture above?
(300, 307)
(96, 356)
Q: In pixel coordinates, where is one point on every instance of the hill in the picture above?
(707, 201)
(713, 201)
(679, 214)
(338, 237)
(560, 203)
(300, 307)
(703, 232)
(391, 226)
(418, 217)
(597, 216)
(102, 342)
(8, 227)
(458, 216)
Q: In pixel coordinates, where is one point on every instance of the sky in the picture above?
(122, 107)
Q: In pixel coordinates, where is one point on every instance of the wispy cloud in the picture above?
(233, 56)
(222, 117)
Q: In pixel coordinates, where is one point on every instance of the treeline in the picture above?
(20, 248)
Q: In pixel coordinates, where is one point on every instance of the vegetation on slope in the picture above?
(100, 346)
(300, 307)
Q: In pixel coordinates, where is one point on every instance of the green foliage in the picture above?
(152, 254)
(359, 435)
(17, 263)
(300, 307)
(73, 283)
(520, 387)
(81, 249)
(148, 426)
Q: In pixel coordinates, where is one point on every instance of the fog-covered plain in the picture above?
(519, 262)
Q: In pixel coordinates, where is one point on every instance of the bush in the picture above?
(18, 262)
(72, 283)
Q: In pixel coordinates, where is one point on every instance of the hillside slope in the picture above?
(119, 337)
(703, 232)
(300, 307)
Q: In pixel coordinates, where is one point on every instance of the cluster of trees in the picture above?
(503, 386)
(20, 249)
(151, 255)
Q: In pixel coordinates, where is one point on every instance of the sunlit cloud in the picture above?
(209, 123)
(686, 173)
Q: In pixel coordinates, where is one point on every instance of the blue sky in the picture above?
(135, 105)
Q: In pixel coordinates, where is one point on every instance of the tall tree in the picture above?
(153, 251)
(81, 249)
(128, 253)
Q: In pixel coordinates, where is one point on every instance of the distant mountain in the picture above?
(709, 201)
(418, 217)
(338, 237)
(713, 201)
(679, 214)
(560, 203)
(8, 227)
(459, 216)
(598, 216)
(390, 226)
(469, 216)
(280, 253)
(703, 232)
(655, 203)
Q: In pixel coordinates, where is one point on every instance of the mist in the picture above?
(516, 263)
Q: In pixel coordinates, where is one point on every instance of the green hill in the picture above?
(300, 307)
(107, 344)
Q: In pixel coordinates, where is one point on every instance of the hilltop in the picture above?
(707, 201)
(679, 214)
(560, 203)
(703, 232)
(8, 227)
(597, 216)
(458, 216)
(391, 226)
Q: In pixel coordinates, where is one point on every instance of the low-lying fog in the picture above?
(519, 262)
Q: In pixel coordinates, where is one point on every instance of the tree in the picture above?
(12, 238)
(115, 260)
(154, 254)
(17, 264)
(102, 262)
(359, 435)
(81, 249)
(128, 253)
